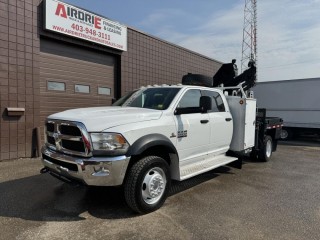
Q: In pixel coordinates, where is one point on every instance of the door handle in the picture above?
(204, 121)
(228, 119)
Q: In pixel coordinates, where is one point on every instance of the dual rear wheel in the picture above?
(265, 152)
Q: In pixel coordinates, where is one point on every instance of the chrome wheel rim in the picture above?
(268, 148)
(153, 185)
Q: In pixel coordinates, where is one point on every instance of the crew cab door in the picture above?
(193, 128)
(221, 123)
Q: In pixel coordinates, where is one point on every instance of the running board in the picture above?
(199, 167)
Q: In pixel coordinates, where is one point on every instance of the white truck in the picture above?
(153, 135)
(295, 101)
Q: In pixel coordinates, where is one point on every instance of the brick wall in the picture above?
(19, 76)
(153, 61)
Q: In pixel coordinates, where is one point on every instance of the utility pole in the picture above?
(249, 43)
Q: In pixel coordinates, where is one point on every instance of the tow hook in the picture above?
(44, 170)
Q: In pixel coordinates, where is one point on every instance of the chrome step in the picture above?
(198, 167)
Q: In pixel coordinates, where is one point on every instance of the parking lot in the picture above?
(275, 200)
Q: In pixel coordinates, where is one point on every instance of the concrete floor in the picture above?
(275, 200)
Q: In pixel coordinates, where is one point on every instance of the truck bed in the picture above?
(270, 121)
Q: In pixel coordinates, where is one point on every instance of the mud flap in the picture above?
(236, 164)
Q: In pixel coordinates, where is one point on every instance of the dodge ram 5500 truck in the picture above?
(153, 135)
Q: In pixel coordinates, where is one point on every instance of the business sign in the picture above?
(66, 19)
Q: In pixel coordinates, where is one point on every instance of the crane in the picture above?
(227, 75)
(249, 42)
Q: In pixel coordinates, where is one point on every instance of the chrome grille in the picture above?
(68, 137)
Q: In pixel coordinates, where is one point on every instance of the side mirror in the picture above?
(205, 103)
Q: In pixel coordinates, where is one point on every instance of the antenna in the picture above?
(249, 43)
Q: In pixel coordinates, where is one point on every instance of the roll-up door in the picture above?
(74, 77)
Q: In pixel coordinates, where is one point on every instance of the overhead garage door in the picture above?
(74, 77)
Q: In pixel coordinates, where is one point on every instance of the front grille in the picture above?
(68, 137)
(70, 130)
(73, 145)
(50, 127)
(51, 140)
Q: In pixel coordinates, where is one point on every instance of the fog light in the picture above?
(101, 172)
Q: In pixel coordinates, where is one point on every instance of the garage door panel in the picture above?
(60, 75)
(72, 66)
(59, 67)
(84, 99)
(76, 72)
(72, 51)
(65, 70)
(59, 63)
(70, 87)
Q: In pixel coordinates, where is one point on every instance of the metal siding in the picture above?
(150, 60)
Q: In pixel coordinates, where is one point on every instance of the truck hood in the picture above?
(98, 119)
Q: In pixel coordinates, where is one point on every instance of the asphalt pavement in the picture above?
(279, 199)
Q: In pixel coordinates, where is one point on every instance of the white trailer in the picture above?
(297, 102)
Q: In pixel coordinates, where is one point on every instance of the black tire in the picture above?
(286, 134)
(265, 152)
(254, 155)
(197, 79)
(140, 193)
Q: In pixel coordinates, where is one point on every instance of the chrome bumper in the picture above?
(94, 171)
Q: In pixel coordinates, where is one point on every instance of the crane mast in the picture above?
(249, 43)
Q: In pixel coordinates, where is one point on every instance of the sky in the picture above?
(288, 44)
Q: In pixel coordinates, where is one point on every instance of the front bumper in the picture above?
(94, 171)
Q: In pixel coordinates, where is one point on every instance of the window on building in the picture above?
(56, 86)
(81, 88)
(104, 91)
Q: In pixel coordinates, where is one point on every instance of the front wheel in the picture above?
(147, 184)
(265, 152)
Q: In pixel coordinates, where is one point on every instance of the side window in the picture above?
(190, 99)
(217, 102)
(220, 104)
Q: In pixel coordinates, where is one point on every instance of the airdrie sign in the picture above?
(76, 22)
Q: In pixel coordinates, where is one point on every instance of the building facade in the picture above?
(43, 71)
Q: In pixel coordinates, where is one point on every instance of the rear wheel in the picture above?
(147, 184)
(265, 152)
(286, 134)
(254, 155)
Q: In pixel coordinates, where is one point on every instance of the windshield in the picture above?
(153, 98)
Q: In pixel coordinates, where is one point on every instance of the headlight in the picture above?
(109, 143)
